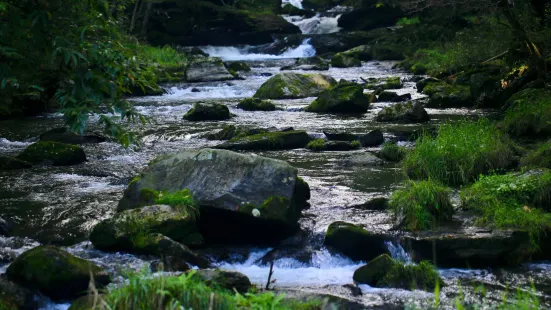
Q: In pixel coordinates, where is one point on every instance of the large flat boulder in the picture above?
(345, 97)
(280, 140)
(355, 242)
(294, 86)
(58, 154)
(241, 198)
(207, 70)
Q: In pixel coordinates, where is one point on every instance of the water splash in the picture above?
(296, 3)
(315, 25)
(233, 53)
(398, 253)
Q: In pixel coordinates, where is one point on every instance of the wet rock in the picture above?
(289, 9)
(388, 96)
(364, 159)
(85, 303)
(207, 70)
(341, 60)
(162, 246)
(195, 51)
(340, 136)
(329, 302)
(378, 204)
(354, 290)
(294, 86)
(11, 163)
(170, 264)
(238, 66)
(229, 187)
(373, 138)
(409, 112)
(420, 85)
(362, 52)
(287, 140)
(147, 91)
(120, 232)
(315, 63)
(444, 95)
(203, 111)
(226, 279)
(345, 97)
(354, 241)
(231, 131)
(255, 104)
(370, 16)
(384, 84)
(63, 135)
(266, 74)
(374, 271)
(55, 273)
(195, 90)
(13, 296)
(322, 145)
(58, 154)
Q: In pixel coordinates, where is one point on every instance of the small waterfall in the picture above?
(296, 3)
(315, 25)
(397, 252)
(233, 53)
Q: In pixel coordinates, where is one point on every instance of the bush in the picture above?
(459, 153)
(512, 200)
(392, 152)
(316, 145)
(421, 205)
(529, 113)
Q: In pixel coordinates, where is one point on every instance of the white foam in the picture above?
(316, 24)
(296, 3)
(6, 144)
(234, 53)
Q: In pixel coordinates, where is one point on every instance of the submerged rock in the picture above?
(58, 154)
(286, 140)
(11, 163)
(13, 296)
(226, 279)
(55, 273)
(373, 138)
(231, 131)
(63, 135)
(203, 111)
(294, 86)
(365, 159)
(255, 104)
(341, 60)
(354, 241)
(388, 96)
(242, 198)
(409, 112)
(207, 70)
(345, 97)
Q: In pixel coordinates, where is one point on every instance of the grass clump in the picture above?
(421, 205)
(187, 292)
(316, 145)
(356, 144)
(514, 200)
(392, 152)
(165, 57)
(421, 276)
(181, 200)
(529, 113)
(459, 153)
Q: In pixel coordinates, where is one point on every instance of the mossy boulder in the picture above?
(231, 131)
(55, 273)
(225, 279)
(294, 86)
(410, 112)
(203, 111)
(383, 271)
(385, 84)
(315, 63)
(228, 187)
(63, 135)
(444, 95)
(362, 52)
(373, 138)
(322, 145)
(345, 97)
(389, 96)
(15, 297)
(354, 241)
(121, 231)
(289, 9)
(281, 140)
(255, 104)
(238, 66)
(207, 70)
(341, 60)
(11, 163)
(58, 154)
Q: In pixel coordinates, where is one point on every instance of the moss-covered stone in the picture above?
(225, 279)
(275, 207)
(341, 60)
(58, 154)
(202, 111)
(255, 104)
(444, 95)
(345, 97)
(238, 66)
(11, 163)
(269, 141)
(389, 96)
(528, 114)
(207, 70)
(15, 297)
(231, 131)
(55, 273)
(322, 145)
(302, 191)
(374, 271)
(315, 63)
(362, 52)
(294, 86)
(409, 112)
(354, 241)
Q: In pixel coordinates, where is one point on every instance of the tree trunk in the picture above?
(146, 18)
(134, 13)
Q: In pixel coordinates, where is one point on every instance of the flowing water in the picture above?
(59, 205)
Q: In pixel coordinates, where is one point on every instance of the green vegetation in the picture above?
(421, 205)
(392, 152)
(514, 200)
(181, 200)
(538, 158)
(316, 145)
(459, 153)
(187, 292)
(356, 144)
(275, 207)
(529, 114)
(255, 104)
(408, 21)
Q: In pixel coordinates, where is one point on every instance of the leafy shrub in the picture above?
(421, 205)
(166, 56)
(512, 200)
(316, 145)
(392, 152)
(459, 153)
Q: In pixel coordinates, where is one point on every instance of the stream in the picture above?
(60, 205)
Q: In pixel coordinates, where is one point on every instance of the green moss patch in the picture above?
(392, 152)
(255, 104)
(345, 97)
(275, 208)
(280, 140)
(459, 153)
(421, 205)
(316, 145)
